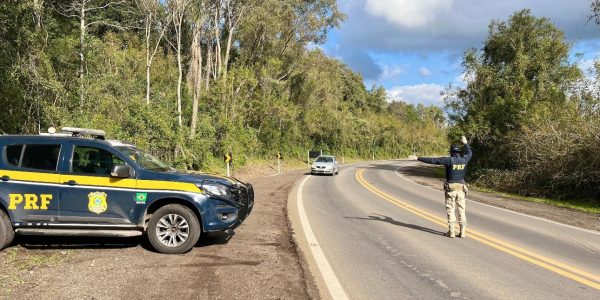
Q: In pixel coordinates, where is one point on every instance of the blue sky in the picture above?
(414, 47)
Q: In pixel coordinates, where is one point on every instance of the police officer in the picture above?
(454, 187)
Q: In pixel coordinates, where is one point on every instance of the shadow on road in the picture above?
(386, 219)
(85, 242)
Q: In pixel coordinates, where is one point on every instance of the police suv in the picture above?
(77, 183)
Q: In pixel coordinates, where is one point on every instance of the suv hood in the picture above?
(198, 177)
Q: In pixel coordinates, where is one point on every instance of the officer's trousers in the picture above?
(455, 200)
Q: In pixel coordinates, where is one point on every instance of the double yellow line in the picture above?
(581, 276)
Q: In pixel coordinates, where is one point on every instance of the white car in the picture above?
(325, 164)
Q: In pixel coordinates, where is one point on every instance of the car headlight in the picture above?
(215, 189)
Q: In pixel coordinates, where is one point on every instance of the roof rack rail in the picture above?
(95, 133)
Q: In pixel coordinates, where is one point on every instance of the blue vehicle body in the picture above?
(64, 198)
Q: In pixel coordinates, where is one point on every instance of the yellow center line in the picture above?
(563, 269)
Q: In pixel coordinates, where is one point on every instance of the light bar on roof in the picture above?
(84, 131)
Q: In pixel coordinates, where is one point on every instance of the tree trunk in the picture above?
(148, 35)
(208, 64)
(196, 71)
(218, 40)
(81, 49)
(226, 60)
(38, 7)
(179, 65)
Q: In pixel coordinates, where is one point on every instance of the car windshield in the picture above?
(146, 160)
(325, 159)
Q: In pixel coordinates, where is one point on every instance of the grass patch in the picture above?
(578, 205)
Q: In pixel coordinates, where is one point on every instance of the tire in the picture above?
(7, 233)
(173, 229)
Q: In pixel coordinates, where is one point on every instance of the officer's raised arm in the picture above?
(433, 160)
(468, 152)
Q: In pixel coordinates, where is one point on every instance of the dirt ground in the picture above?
(257, 261)
(423, 174)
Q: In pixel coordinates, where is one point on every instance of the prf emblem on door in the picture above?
(97, 202)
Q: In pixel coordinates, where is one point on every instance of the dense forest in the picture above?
(190, 80)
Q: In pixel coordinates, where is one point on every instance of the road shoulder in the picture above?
(258, 260)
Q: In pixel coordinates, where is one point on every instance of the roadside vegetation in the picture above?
(531, 112)
(191, 80)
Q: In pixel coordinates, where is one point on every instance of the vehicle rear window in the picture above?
(13, 154)
(40, 157)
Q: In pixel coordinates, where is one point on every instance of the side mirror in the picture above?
(120, 171)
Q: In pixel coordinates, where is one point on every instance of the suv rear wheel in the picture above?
(173, 229)
(7, 234)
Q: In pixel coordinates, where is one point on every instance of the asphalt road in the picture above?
(383, 237)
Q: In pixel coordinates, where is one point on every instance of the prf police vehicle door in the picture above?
(77, 183)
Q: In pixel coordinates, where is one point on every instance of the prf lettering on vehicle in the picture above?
(32, 201)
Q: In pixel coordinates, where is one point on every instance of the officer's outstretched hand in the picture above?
(464, 139)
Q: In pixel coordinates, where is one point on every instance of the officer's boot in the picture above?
(463, 231)
(451, 231)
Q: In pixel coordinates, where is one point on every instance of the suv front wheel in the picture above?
(173, 229)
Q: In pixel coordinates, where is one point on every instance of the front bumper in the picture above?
(318, 170)
(247, 201)
(230, 214)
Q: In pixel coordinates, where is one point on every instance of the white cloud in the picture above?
(426, 93)
(429, 26)
(424, 72)
(390, 71)
(409, 13)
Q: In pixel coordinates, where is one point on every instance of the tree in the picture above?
(151, 10)
(523, 66)
(198, 15)
(89, 13)
(178, 10)
(595, 15)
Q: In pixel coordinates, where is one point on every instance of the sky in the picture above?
(414, 48)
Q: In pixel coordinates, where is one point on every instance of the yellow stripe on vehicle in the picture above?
(31, 176)
(571, 272)
(125, 183)
(167, 185)
(99, 181)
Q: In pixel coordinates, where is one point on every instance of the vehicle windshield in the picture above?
(325, 159)
(144, 159)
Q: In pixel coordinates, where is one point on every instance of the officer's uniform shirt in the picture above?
(456, 167)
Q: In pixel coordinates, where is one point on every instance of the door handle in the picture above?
(70, 182)
(5, 178)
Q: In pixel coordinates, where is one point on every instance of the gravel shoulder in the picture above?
(257, 261)
(423, 174)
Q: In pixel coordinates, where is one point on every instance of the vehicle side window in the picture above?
(90, 160)
(41, 157)
(13, 154)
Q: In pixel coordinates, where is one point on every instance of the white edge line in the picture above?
(504, 209)
(333, 285)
